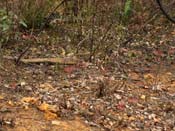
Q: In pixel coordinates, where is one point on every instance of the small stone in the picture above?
(50, 77)
(28, 88)
(117, 96)
(143, 97)
(151, 116)
(23, 83)
(68, 104)
(55, 122)
(6, 85)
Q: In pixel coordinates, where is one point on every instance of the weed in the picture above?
(33, 12)
(5, 26)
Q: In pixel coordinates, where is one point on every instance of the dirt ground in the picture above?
(86, 97)
(133, 93)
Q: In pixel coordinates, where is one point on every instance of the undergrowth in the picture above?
(98, 28)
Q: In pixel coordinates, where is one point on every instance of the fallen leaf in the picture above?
(173, 84)
(171, 51)
(31, 100)
(158, 53)
(46, 107)
(26, 107)
(133, 100)
(1, 97)
(132, 118)
(13, 85)
(148, 76)
(10, 103)
(43, 107)
(46, 86)
(121, 105)
(134, 76)
(69, 69)
(173, 32)
(83, 64)
(50, 115)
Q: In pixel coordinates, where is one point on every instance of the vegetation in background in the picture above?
(33, 12)
(127, 10)
(106, 63)
(96, 27)
(5, 26)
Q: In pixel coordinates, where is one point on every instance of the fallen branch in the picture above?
(62, 61)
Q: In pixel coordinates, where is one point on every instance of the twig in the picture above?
(22, 54)
(81, 42)
(164, 12)
(92, 33)
(62, 61)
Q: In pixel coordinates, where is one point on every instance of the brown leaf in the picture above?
(69, 69)
(46, 107)
(46, 86)
(30, 100)
(158, 53)
(134, 76)
(1, 97)
(148, 76)
(121, 105)
(133, 100)
(50, 115)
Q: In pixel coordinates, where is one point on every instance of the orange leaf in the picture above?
(49, 115)
(69, 69)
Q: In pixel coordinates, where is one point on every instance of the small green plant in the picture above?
(5, 21)
(33, 12)
(8, 23)
(5, 26)
(123, 11)
(128, 8)
(127, 11)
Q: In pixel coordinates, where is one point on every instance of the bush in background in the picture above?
(5, 26)
(33, 12)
